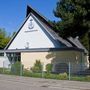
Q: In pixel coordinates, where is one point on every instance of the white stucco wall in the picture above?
(36, 37)
(74, 57)
(4, 62)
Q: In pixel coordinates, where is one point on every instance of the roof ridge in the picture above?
(29, 6)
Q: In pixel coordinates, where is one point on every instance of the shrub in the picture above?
(49, 68)
(16, 67)
(1, 70)
(88, 78)
(50, 76)
(5, 71)
(26, 72)
(37, 67)
(63, 76)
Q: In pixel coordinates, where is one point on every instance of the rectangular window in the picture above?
(1, 54)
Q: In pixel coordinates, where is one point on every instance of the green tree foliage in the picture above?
(37, 67)
(75, 19)
(49, 68)
(4, 38)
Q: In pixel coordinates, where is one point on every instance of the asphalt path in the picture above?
(8, 82)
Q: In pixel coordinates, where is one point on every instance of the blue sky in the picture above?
(12, 12)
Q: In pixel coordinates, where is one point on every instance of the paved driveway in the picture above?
(27, 83)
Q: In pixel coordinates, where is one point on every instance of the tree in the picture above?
(4, 38)
(75, 19)
(37, 68)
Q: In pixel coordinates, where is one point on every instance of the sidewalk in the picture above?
(8, 82)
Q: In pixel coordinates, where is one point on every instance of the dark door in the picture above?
(61, 68)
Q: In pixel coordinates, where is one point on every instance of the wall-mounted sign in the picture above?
(31, 26)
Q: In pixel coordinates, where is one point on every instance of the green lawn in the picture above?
(62, 76)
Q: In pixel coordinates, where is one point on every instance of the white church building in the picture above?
(36, 40)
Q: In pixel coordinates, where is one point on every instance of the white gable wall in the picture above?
(35, 37)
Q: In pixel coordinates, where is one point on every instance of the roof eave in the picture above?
(41, 50)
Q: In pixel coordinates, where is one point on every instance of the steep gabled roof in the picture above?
(44, 22)
(77, 43)
(48, 27)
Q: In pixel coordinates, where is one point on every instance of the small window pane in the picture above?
(1, 54)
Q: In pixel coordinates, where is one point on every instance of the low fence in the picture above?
(63, 73)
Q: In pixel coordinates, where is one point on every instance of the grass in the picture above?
(81, 78)
(62, 76)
